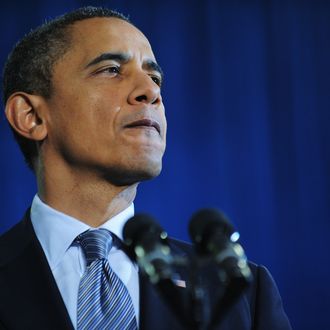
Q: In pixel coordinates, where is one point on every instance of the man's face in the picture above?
(106, 113)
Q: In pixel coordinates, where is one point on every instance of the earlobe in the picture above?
(24, 115)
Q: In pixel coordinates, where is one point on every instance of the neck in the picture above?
(84, 197)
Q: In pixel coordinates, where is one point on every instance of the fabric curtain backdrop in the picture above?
(248, 105)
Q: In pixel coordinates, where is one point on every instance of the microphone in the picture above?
(148, 244)
(147, 241)
(214, 236)
(215, 239)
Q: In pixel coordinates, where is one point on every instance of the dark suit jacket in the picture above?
(30, 299)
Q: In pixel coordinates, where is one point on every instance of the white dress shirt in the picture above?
(57, 231)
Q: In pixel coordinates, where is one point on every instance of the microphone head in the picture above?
(207, 225)
(142, 228)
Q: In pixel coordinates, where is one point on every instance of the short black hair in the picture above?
(29, 66)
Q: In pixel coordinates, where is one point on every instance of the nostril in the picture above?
(141, 98)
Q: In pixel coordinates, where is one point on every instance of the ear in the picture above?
(24, 113)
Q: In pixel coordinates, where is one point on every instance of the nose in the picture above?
(145, 91)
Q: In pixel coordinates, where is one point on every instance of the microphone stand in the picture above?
(193, 306)
(199, 304)
(206, 312)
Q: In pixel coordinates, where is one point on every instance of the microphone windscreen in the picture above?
(139, 227)
(208, 222)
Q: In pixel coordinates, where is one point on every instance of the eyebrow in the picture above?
(124, 58)
(120, 57)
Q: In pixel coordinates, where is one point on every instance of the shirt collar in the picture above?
(56, 231)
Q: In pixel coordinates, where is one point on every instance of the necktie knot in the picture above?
(96, 244)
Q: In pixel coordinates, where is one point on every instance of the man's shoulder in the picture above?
(259, 304)
(13, 241)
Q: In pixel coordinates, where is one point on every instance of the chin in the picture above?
(128, 176)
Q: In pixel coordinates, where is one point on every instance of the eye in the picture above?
(157, 80)
(110, 70)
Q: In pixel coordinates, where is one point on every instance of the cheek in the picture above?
(104, 120)
(90, 119)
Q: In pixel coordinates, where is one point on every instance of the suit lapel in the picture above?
(30, 298)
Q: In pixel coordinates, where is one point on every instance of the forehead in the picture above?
(94, 36)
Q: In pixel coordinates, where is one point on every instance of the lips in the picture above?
(142, 123)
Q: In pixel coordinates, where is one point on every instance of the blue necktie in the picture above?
(103, 299)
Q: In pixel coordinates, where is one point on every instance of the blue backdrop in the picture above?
(248, 104)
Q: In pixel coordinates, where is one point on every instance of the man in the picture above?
(82, 95)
